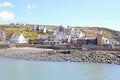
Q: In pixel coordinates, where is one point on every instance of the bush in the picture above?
(33, 41)
(3, 42)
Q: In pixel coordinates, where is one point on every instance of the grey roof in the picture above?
(15, 36)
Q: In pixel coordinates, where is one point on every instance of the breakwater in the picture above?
(95, 56)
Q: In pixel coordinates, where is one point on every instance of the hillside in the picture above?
(108, 33)
(88, 31)
(115, 34)
(27, 32)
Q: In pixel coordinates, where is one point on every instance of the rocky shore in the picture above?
(94, 56)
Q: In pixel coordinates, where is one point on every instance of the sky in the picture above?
(95, 13)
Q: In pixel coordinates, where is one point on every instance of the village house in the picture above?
(2, 35)
(66, 30)
(50, 30)
(62, 33)
(42, 38)
(106, 41)
(18, 25)
(77, 35)
(114, 42)
(18, 39)
(51, 41)
(86, 41)
(38, 28)
(98, 40)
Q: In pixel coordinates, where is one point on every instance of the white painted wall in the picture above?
(18, 39)
(22, 39)
(106, 41)
(44, 30)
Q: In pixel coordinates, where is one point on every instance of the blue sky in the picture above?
(101, 13)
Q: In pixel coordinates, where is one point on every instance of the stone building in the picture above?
(100, 38)
(87, 41)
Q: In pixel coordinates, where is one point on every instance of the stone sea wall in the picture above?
(94, 56)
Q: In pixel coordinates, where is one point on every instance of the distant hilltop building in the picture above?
(18, 25)
(38, 28)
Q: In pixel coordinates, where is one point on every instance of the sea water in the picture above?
(16, 69)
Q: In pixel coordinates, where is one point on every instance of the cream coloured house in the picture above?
(18, 39)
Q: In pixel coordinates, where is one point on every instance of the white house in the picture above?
(110, 42)
(38, 28)
(106, 41)
(77, 34)
(2, 35)
(18, 39)
(44, 29)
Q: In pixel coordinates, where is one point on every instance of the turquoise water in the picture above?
(12, 69)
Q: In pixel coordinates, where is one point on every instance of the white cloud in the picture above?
(29, 8)
(6, 4)
(4, 15)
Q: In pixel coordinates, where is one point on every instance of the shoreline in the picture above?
(92, 56)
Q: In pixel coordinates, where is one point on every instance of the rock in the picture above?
(72, 55)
